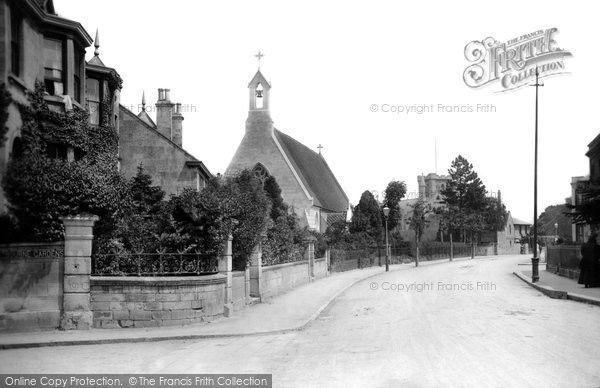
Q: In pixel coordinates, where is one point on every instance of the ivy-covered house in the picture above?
(38, 46)
(77, 103)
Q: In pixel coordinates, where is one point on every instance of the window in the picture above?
(92, 95)
(15, 42)
(77, 76)
(57, 151)
(260, 172)
(53, 66)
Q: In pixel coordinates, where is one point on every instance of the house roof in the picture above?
(315, 174)
(517, 221)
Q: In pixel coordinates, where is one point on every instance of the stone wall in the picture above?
(144, 302)
(31, 286)
(279, 278)
(564, 260)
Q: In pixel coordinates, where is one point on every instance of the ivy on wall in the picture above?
(5, 100)
(42, 185)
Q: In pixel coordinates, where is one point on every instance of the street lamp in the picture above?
(535, 259)
(556, 230)
(386, 213)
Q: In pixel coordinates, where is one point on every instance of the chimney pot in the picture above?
(168, 94)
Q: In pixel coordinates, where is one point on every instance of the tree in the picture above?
(555, 214)
(587, 208)
(366, 218)
(465, 194)
(465, 190)
(392, 195)
(495, 214)
(145, 196)
(273, 191)
(419, 220)
(450, 221)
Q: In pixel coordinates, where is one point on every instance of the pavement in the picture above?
(287, 312)
(558, 287)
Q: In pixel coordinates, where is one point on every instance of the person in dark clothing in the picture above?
(589, 264)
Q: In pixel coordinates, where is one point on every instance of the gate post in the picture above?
(225, 267)
(256, 270)
(77, 313)
(309, 254)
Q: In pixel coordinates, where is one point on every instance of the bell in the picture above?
(259, 93)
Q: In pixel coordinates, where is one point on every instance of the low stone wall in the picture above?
(320, 268)
(147, 301)
(566, 272)
(31, 286)
(279, 278)
(238, 288)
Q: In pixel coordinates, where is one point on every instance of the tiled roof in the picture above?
(315, 174)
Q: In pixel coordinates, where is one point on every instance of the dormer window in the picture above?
(53, 66)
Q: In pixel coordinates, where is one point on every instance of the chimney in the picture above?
(164, 112)
(499, 197)
(177, 126)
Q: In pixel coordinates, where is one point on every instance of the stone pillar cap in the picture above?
(82, 216)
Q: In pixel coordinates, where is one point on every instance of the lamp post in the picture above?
(556, 230)
(535, 260)
(386, 213)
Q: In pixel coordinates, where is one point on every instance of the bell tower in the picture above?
(259, 89)
(259, 118)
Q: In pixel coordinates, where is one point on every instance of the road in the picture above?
(465, 323)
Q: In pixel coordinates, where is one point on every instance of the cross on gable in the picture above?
(320, 147)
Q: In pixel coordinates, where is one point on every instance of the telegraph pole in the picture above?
(535, 260)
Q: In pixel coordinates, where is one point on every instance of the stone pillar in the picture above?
(225, 267)
(328, 261)
(247, 283)
(309, 255)
(256, 270)
(77, 313)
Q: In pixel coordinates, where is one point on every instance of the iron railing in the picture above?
(153, 264)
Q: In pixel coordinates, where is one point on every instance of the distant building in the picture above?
(430, 191)
(580, 230)
(307, 183)
(522, 228)
(431, 186)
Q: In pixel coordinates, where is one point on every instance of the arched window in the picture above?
(261, 172)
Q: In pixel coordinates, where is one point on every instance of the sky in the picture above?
(330, 62)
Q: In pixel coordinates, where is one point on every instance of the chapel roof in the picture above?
(315, 174)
